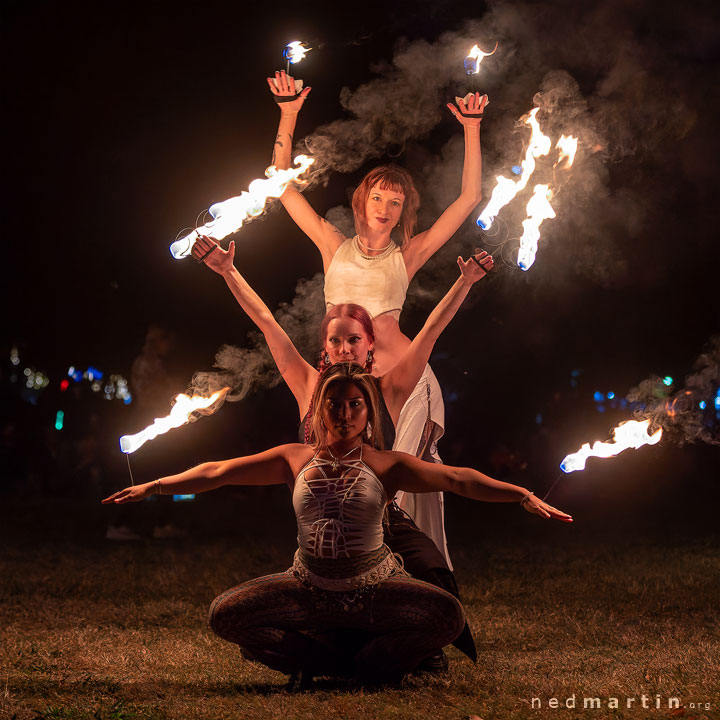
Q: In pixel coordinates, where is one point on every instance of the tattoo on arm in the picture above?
(333, 227)
(278, 143)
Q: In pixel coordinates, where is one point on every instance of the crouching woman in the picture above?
(343, 577)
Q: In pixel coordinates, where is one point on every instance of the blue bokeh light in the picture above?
(667, 380)
(598, 396)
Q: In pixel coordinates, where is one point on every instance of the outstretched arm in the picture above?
(267, 468)
(401, 380)
(324, 234)
(299, 375)
(414, 475)
(424, 245)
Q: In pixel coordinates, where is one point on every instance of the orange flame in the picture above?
(506, 189)
(630, 434)
(538, 209)
(229, 215)
(567, 145)
(184, 407)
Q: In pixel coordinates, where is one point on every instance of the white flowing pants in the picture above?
(415, 437)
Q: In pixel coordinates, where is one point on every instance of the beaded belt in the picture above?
(389, 566)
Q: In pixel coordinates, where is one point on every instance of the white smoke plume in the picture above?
(247, 368)
(679, 413)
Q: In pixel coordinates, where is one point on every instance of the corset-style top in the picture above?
(379, 284)
(339, 507)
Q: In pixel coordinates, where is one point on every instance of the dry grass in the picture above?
(104, 631)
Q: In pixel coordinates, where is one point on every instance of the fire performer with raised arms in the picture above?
(347, 334)
(343, 577)
(374, 270)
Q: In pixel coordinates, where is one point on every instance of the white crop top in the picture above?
(379, 284)
(339, 517)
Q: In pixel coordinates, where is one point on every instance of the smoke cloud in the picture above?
(595, 72)
(251, 367)
(679, 413)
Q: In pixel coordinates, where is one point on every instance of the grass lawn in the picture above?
(92, 629)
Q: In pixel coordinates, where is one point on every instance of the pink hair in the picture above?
(351, 310)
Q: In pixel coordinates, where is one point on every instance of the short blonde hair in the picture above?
(340, 373)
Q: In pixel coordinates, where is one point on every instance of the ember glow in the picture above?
(230, 215)
(180, 414)
(475, 57)
(538, 209)
(506, 189)
(631, 434)
(295, 51)
(567, 147)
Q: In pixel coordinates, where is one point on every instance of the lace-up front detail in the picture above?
(339, 511)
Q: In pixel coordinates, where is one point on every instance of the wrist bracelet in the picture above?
(159, 487)
(525, 499)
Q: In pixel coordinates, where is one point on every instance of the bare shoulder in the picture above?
(296, 454)
(414, 252)
(385, 461)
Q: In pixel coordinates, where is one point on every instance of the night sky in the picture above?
(125, 121)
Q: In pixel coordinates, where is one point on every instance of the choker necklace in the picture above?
(382, 252)
(335, 464)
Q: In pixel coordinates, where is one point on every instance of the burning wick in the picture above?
(294, 52)
(179, 415)
(476, 56)
(631, 434)
(230, 215)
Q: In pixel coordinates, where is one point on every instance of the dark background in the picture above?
(124, 121)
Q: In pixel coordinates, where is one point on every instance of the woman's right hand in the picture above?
(206, 250)
(476, 266)
(283, 85)
(136, 493)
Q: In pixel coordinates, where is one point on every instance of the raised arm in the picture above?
(424, 245)
(401, 380)
(299, 375)
(267, 468)
(405, 472)
(323, 233)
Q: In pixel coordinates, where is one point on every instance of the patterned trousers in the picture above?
(289, 627)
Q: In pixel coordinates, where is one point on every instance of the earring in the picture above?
(370, 358)
(326, 359)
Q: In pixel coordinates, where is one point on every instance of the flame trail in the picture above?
(629, 434)
(475, 57)
(179, 415)
(230, 215)
(538, 209)
(506, 189)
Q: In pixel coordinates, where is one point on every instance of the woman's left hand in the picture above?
(136, 493)
(470, 114)
(476, 266)
(539, 507)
